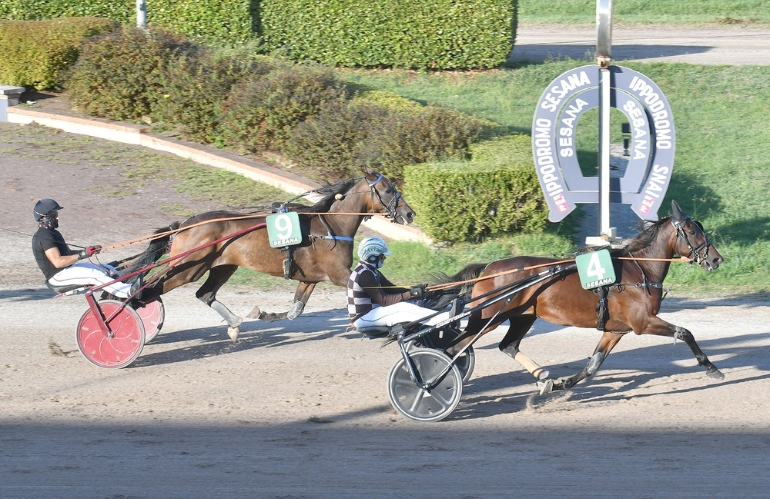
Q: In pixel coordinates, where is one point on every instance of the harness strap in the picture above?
(334, 238)
(602, 308)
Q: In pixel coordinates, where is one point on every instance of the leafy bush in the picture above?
(196, 87)
(329, 141)
(261, 112)
(430, 34)
(118, 75)
(495, 192)
(36, 51)
(383, 131)
(404, 138)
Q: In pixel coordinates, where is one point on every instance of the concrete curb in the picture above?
(140, 135)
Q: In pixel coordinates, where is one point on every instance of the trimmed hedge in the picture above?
(495, 192)
(121, 11)
(430, 34)
(216, 21)
(36, 51)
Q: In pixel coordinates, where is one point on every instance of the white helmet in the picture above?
(370, 249)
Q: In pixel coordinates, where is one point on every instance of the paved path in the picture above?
(710, 44)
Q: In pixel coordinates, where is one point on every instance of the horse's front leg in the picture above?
(686, 336)
(658, 326)
(606, 343)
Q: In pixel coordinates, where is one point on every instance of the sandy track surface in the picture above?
(300, 408)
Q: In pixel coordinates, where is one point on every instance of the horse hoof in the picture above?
(715, 374)
(543, 374)
(545, 386)
(233, 333)
(295, 311)
(254, 314)
(271, 317)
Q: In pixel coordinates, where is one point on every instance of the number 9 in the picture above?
(283, 226)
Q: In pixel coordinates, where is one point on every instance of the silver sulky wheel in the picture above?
(441, 340)
(465, 363)
(417, 403)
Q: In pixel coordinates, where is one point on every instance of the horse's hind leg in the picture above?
(606, 343)
(510, 345)
(301, 296)
(208, 292)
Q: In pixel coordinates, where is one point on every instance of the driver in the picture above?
(60, 265)
(373, 300)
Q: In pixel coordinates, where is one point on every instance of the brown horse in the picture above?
(633, 302)
(325, 252)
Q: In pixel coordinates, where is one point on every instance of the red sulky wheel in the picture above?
(126, 342)
(152, 314)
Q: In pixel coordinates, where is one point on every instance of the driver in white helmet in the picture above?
(61, 266)
(375, 301)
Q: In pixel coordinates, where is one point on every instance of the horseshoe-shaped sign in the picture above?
(652, 148)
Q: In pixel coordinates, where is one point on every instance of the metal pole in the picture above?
(141, 14)
(604, 56)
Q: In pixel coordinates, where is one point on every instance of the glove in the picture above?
(417, 291)
(89, 252)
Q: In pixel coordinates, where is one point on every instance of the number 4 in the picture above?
(595, 268)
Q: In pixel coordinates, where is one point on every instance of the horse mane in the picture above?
(439, 299)
(645, 237)
(329, 192)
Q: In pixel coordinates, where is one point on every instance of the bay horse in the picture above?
(325, 252)
(633, 302)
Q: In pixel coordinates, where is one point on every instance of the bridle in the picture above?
(392, 205)
(697, 253)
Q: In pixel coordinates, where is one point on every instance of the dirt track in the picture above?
(300, 409)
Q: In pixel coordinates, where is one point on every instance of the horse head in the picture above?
(692, 241)
(386, 198)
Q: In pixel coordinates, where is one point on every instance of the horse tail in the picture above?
(440, 298)
(155, 250)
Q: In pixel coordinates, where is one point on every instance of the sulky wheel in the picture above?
(425, 405)
(465, 364)
(443, 339)
(152, 315)
(126, 342)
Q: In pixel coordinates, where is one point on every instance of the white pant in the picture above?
(89, 274)
(396, 313)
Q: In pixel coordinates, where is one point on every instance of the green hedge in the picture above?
(196, 88)
(382, 131)
(430, 34)
(35, 52)
(119, 75)
(494, 192)
(217, 21)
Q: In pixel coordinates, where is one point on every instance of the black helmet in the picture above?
(42, 209)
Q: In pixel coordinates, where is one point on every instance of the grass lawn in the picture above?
(721, 172)
(645, 11)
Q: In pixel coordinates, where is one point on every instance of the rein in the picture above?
(438, 287)
(149, 237)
